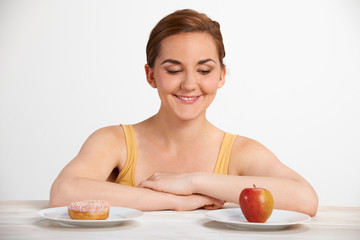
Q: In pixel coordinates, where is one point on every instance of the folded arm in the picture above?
(85, 178)
(251, 163)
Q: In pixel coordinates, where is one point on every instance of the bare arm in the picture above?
(289, 194)
(127, 196)
(85, 178)
(251, 163)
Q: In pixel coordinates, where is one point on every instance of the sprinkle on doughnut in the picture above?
(89, 206)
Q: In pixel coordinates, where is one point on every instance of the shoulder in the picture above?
(106, 140)
(107, 135)
(102, 151)
(244, 144)
(249, 155)
(114, 132)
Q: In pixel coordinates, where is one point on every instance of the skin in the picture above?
(178, 146)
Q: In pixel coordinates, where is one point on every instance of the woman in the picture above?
(177, 159)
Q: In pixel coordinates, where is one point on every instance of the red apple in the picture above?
(256, 204)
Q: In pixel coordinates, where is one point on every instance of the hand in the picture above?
(181, 186)
(175, 183)
(195, 201)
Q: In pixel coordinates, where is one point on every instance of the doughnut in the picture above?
(89, 210)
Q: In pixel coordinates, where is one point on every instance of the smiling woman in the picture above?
(177, 159)
(186, 70)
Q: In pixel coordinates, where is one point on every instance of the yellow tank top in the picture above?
(127, 173)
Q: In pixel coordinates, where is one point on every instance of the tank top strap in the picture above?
(222, 163)
(127, 173)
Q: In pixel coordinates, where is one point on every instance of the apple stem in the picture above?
(254, 185)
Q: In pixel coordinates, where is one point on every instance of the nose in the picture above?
(189, 81)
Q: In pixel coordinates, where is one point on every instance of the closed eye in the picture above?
(173, 72)
(204, 72)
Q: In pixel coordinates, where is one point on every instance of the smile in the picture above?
(187, 99)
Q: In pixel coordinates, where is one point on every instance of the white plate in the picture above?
(279, 219)
(117, 215)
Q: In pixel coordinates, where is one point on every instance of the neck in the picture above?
(177, 131)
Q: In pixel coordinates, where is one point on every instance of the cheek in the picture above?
(164, 82)
(210, 84)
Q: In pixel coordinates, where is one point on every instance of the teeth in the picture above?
(187, 98)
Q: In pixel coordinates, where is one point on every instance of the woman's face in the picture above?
(187, 74)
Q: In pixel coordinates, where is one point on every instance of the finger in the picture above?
(213, 206)
(156, 175)
(210, 207)
(146, 184)
(152, 185)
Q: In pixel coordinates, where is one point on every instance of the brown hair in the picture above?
(183, 21)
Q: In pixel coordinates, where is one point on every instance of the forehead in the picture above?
(188, 45)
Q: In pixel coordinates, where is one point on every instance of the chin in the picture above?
(186, 113)
(189, 116)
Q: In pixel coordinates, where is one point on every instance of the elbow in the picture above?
(55, 201)
(55, 197)
(313, 205)
(310, 203)
(304, 200)
(58, 194)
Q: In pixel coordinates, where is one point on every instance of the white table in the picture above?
(20, 220)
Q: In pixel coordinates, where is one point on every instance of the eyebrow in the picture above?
(173, 61)
(206, 60)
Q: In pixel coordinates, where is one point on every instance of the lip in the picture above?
(187, 99)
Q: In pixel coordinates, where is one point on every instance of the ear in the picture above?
(222, 77)
(150, 76)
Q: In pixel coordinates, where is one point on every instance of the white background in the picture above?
(68, 68)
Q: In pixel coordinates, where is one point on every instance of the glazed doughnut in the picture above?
(89, 210)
